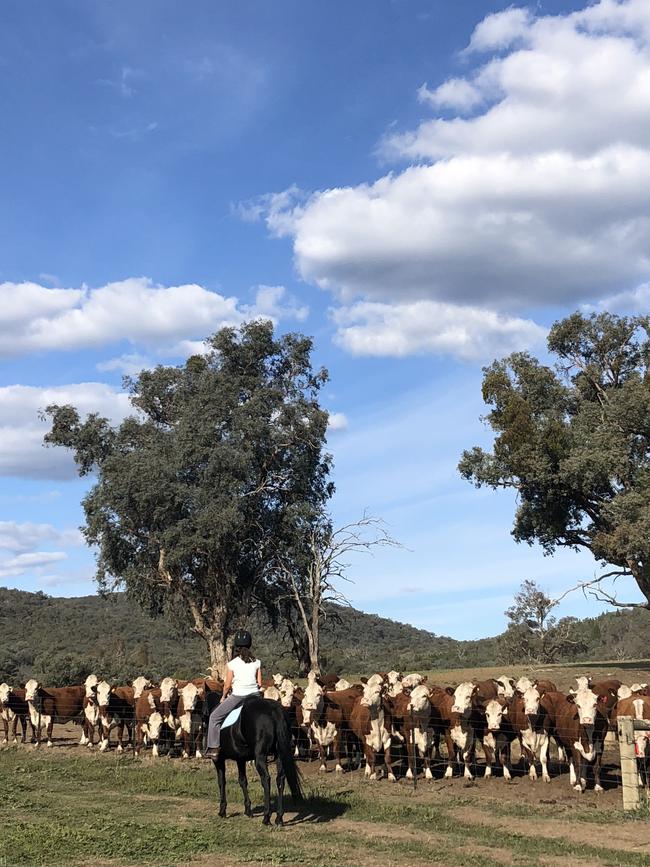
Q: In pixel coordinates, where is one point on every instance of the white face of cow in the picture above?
(139, 686)
(287, 689)
(504, 687)
(190, 695)
(277, 679)
(624, 692)
(419, 701)
(31, 688)
(494, 713)
(586, 701)
(312, 702)
(531, 701)
(168, 689)
(91, 684)
(342, 683)
(523, 684)
(412, 680)
(372, 695)
(463, 697)
(583, 683)
(374, 679)
(5, 692)
(154, 725)
(103, 693)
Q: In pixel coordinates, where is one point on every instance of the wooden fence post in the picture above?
(629, 774)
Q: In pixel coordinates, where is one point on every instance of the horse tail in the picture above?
(284, 748)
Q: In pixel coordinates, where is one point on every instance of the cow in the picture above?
(342, 684)
(272, 693)
(499, 735)
(149, 720)
(505, 686)
(116, 710)
(91, 712)
(580, 724)
(638, 707)
(63, 704)
(190, 715)
(415, 712)
(457, 728)
(325, 717)
(13, 708)
(371, 724)
(530, 723)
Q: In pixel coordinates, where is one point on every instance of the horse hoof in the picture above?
(249, 813)
(279, 820)
(222, 814)
(266, 820)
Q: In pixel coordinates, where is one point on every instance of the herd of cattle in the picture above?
(382, 717)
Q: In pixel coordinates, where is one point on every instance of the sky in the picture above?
(422, 186)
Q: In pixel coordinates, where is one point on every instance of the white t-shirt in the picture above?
(244, 681)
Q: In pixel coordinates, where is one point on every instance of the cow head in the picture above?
(505, 686)
(31, 689)
(91, 685)
(463, 695)
(419, 699)
(412, 680)
(272, 693)
(531, 701)
(277, 679)
(586, 703)
(372, 694)
(190, 694)
(5, 692)
(139, 686)
(583, 682)
(342, 683)
(286, 689)
(312, 702)
(103, 693)
(168, 689)
(523, 684)
(154, 726)
(494, 713)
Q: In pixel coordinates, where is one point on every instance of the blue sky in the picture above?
(421, 186)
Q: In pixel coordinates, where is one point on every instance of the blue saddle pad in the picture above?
(232, 718)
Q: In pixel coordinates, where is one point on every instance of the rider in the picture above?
(243, 677)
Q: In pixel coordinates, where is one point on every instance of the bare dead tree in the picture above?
(311, 580)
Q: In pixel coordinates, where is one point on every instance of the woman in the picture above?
(243, 677)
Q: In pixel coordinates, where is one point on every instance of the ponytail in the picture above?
(245, 654)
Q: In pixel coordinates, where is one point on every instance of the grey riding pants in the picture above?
(218, 715)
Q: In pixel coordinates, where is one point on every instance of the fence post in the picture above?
(629, 774)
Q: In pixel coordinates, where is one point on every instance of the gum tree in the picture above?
(209, 480)
(573, 441)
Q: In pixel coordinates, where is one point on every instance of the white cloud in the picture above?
(33, 561)
(337, 421)
(36, 318)
(536, 199)
(371, 328)
(635, 300)
(23, 537)
(130, 364)
(22, 452)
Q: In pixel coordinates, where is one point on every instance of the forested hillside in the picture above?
(58, 639)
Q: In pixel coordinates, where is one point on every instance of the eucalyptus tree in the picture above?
(209, 480)
(573, 441)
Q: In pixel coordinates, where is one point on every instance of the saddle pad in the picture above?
(232, 718)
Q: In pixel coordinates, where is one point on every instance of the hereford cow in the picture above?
(61, 704)
(325, 719)
(530, 722)
(580, 724)
(116, 710)
(371, 724)
(190, 717)
(414, 712)
(499, 735)
(149, 721)
(13, 708)
(456, 728)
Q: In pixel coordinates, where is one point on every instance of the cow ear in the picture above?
(571, 698)
(450, 690)
(505, 710)
(129, 683)
(425, 678)
(363, 679)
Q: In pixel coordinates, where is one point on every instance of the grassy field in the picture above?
(67, 806)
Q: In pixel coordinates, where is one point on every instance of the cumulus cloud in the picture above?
(337, 421)
(22, 452)
(20, 538)
(38, 318)
(533, 194)
(470, 333)
(34, 561)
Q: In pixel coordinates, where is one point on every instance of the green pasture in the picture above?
(61, 808)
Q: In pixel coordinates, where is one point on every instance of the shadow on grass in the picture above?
(316, 809)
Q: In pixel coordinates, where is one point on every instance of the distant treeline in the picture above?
(62, 640)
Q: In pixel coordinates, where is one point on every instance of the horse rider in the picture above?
(243, 678)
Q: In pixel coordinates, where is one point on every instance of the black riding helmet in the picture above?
(243, 638)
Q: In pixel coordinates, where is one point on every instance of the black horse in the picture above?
(260, 731)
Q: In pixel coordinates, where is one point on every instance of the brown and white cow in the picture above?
(91, 712)
(149, 720)
(414, 710)
(61, 704)
(445, 720)
(580, 724)
(499, 735)
(530, 722)
(371, 724)
(13, 708)
(637, 706)
(325, 719)
(190, 712)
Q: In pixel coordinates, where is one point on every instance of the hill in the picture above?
(58, 638)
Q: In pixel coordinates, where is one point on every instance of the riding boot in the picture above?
(212, 753)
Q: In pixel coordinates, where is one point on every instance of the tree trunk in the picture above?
(220, 653)
(313, 634)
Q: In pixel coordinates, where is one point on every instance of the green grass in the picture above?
(62, 809)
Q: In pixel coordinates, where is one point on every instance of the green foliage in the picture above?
(574, 442)
(220, 468)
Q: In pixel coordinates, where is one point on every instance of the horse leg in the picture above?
(279, 780)
(243, 782)
(220, 768)
(265, 779)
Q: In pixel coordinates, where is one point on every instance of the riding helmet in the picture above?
(243, 638)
